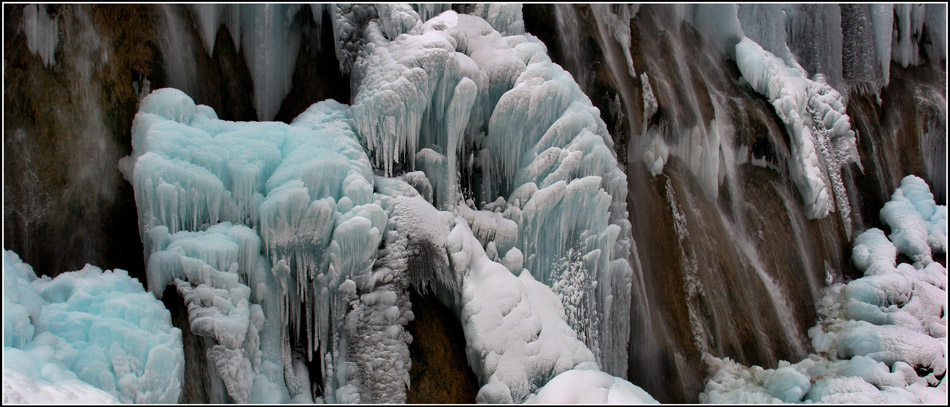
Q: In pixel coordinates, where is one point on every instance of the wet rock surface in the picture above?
(440, 371)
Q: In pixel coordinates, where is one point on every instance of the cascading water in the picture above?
(709, 145)
(702, 101)
(179, 51)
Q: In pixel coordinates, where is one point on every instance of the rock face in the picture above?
(439, 373)
(66, 125)
(65, 128)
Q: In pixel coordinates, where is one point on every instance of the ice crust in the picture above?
(233, 213)
(822, 141)
(86, 336)
(881, 338)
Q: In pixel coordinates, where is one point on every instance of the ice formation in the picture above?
(453, 95)
(86, 336)
(822, 141)
(503, 17)
(42, 32)
(881, 338)
(913, 21)
(619, 26)
(798, 58)
(231, 213)
(270, 36)
(848, 43)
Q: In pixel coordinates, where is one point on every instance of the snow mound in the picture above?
(590, 387)
(86, 336)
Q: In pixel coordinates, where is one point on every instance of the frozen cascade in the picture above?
(306, 225)
(913, 21)
(880, 338)
(42, 32)
(414, 92)
(283, 270)
(882, 21)
(814, 115)
(617, 20)
(815, 38)
(270, 37)
(88, 336)
(517, 337)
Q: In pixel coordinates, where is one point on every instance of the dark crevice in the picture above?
(440, 372)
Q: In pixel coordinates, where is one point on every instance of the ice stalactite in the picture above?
(270, 35)
(42, 32)
(910, 27)
(306, 226)
(541, 147)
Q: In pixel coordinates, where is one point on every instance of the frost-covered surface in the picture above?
(258, 222)
(822, 141)
(454, 95)
(590, 387)
(881, 338)
(86, 336)
(287, 248)
(42, 32)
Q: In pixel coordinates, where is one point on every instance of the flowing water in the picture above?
(725, 260)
